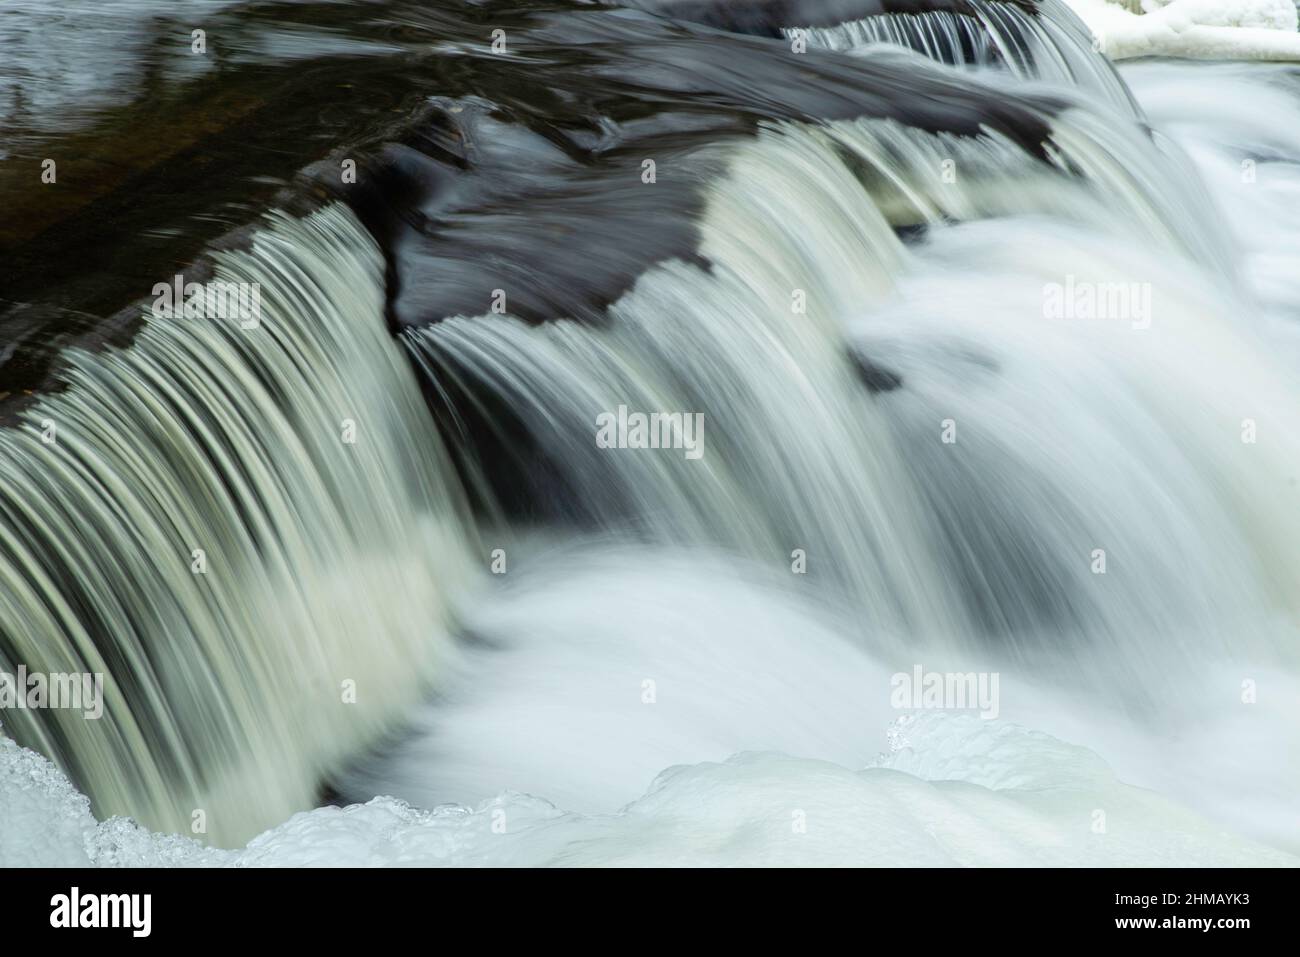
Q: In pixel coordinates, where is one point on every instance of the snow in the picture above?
(957, 791)
(1202, 29)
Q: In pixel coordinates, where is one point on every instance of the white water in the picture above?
(1072, 435)
(1247, 157)
(552, 702)
(1049, 45)
(1087, 419)
(224, 690)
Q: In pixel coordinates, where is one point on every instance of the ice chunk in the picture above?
(1204, 29)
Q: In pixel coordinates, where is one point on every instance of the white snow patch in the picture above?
(1201, 29)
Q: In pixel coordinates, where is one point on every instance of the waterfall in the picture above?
(825, 354)
(987, 353)
(325, 563)
(1048, 44)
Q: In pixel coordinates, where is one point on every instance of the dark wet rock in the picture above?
(875, 377)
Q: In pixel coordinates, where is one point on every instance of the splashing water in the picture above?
(224, 674)
(994, 348)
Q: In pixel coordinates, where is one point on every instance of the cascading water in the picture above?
(1074, 434)
(763, 343)
(188, 520)
(1041, 43)
(861, 267)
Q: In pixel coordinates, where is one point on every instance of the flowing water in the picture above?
(374, 546)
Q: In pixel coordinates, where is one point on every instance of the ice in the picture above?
(959, 791)
(1202, 29)
(44, 822)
